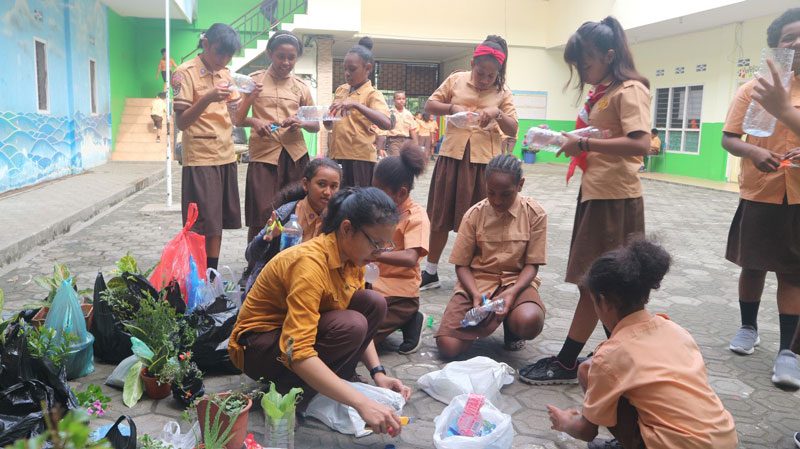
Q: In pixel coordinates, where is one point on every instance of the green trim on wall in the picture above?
(710, 163)
(542, 156)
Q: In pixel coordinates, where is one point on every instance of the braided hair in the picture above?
(507, 164)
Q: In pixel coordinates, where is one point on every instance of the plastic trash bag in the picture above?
(345, 419)
(112, 343)
(175, 257)
(480, 375)
(174, 297)
(117, 377)
(195, 287)
(21, 413)
(66, 316)
(501, 437)
(171, 435)
(118, 438)
(213, 323)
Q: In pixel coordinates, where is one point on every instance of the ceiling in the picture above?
(147, 9)
(419, 51)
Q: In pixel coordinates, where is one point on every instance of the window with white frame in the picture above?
(93, 84)
(677, 118)
(42, 95)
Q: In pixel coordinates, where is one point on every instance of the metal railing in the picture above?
(261, 19)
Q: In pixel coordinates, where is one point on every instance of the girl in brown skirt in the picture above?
(458, 177)
(501, 242)
(278, 156)
(610, 207)
(360, 105)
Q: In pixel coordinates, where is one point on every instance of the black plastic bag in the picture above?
(213, 323)
(188, 390)
(21, 414)
(174, 297)
(139, 286)
(112, 343)
(115, 437)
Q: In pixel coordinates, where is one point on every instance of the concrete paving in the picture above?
(699, 293)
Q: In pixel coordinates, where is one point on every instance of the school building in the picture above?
(83, 72)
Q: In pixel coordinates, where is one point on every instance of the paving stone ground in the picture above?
(699, 293)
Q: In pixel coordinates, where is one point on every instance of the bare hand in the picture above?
(261, 127)
(393, 384)
(343, 108)
(487, 115)
(771, 93)
(455, 109)
(256, 92)
(380, 418)
(216, 94)
(508, 302)
(571, 147)
(792, 155)
(293, 123)
(276, 231)
(382, 153)
(560, 419)
(765, 160)
(477, 300)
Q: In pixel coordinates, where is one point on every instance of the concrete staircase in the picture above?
(136, 138)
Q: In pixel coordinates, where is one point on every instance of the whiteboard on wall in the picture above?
(531, 105)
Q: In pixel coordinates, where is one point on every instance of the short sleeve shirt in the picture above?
(656, 364)
(412, 231)
(484, 144)
(755, 185)
(404, 123)
(310, 221)
(209, 140)
(623, 110)
(352, 138)
(279, 99)
(159, 107)
(497, 247)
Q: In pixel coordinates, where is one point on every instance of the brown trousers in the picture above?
(394, 144)
(398, 311)
(342, 338)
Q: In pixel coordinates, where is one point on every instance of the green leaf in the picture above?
(134, 387)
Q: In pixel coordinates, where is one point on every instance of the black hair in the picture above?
(496, 42)
(285, 37)
(399, 92)
(162, 95)
(625, 276)
(426, 116)
(507, 164)
(225, 37)
(363, 50)
(363, 206)
(163, 50)
(602, 36)
(776, 27)
(295, 190)
(395, 172)
(654, 131)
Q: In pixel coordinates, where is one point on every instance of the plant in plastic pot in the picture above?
(227, 429)
(60, 274)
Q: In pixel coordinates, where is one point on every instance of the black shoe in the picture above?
(797, 439)
(412, 334)
(602, 443)
(245, 277)
(548, 371)
(429, 281)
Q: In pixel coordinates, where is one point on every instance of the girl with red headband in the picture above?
(610, 207)
(458, 177)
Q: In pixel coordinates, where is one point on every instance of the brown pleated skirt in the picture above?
(264, 181)
(356, 173)
(455, 187)
(765, 236)
(601, 226)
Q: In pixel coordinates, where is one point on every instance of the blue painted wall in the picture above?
(38, 146)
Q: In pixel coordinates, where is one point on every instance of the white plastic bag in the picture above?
(117, 377)
(480, 375)
(219, 287)
(345, 419)
(501, 437)
(171, 435)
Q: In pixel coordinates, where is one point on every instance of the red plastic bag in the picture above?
(175, 257)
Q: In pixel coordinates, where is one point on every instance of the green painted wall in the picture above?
(556, 125)
(122, 55)
(710, 163)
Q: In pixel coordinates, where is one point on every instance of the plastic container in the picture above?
(372, 274)
(315, 114)
(757, 121)
(477, 314)
(466, 120)
(529, 157)
(292, 233)
(549, 140)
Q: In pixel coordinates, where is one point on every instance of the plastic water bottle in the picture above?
(372, 274)
(549, 140)
(477, 314)
(466, 120)
(757, 121)
(242, 83)
(292, 233)
(315, 114)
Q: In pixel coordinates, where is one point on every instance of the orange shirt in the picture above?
(623, 110)
(279, 100)
(310, 221)
(425, 129)
(755, 185)
(282, 298)
(209, 140)
(484, 144)
(655, 143)
(657, 366)
(404, 123)
(413, 231)
(352, 138)
(497, 247)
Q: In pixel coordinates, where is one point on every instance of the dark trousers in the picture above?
(627, 430)
(342, 338)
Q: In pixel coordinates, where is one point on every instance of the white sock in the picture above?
(430, 268)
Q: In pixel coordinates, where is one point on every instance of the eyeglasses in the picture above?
(378, 249)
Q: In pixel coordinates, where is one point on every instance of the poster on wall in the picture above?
(531, 105)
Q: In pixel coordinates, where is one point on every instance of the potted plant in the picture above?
(51, 284)
(223, 419)
(187, 383)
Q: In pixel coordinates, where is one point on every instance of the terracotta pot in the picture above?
(153, 389)
(239, 432)
(87, 309)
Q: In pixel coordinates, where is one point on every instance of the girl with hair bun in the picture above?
(399, 269)
(458, 176)
(648, 382)
(360, 106)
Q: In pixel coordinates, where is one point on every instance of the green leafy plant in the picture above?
(43, 342)
(228, 403)
(181, 369)
(128, 264)
(92, 394)
(60, 274)
(147, 442)
(68, 432)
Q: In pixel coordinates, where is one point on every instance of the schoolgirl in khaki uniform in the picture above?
(204, 111)
(360, 105)
(610, 207)
(405, 126)
(458, 176)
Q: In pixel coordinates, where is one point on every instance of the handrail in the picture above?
(260, 19)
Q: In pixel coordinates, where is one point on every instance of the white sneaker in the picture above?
(786, 372)
(745, 340)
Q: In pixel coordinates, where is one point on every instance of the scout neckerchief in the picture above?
(595, 94)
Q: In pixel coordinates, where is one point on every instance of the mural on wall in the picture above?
(69, 137)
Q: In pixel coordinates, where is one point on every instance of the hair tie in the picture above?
(482, 50)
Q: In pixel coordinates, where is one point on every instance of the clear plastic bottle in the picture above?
(549, 140)
(316, 113)
(477, 314)
(372, 274)
(466, 120)
(757, 121)
(292, 233)
(242, 83)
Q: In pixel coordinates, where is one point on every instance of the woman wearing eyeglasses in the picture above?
(308, 320)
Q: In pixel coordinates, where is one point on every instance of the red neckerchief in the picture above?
(595, 94)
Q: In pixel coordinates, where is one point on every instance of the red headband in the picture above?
(484, 50)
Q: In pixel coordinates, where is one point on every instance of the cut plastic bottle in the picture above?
(549, 140)
(467, 120)
(757, 121)
(372, 274)
(316, 113)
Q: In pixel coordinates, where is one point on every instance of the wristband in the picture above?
(580, 144)
(499, 115)
(587, 144)
(376, 370)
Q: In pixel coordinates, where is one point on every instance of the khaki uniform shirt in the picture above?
(352, 138)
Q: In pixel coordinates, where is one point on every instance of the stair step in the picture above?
(142, 147)
(140, 127)
(133, 156)
(140, 137)
(136, 119)
(139, 101)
